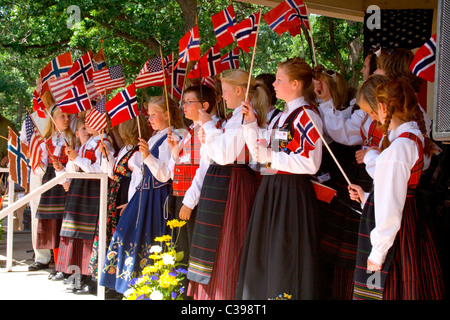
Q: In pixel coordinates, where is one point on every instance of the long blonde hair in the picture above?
(50, 129)
(258, 95)
(176, 118)
(129, 130)
(337, 85)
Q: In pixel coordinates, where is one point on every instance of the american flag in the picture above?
(96, 118)
(35, 150)
(38, 105)
(408, 28)
(60, 87)
(18, 162)
(29, 126)
(123, 106)
(209, 65)
(151, 73)
(221, 21)
(230, 60)
(109, 79)
(76, 100)
(56, 68)
(245, 32)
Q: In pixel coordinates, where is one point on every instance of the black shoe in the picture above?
(86, 289)
(38, 266)
(58, 276)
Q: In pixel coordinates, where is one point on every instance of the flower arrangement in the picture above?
(162, 279)
(283, 296)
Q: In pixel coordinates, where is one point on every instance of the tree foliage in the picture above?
(130, 32)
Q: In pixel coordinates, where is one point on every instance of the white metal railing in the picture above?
(13, 206)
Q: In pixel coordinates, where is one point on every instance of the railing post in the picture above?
(10, 231)
(102, 234)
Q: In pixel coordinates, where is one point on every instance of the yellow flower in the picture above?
(154, 256)
(175, 223)
(287, 296)
(167, 280)
(164, 238)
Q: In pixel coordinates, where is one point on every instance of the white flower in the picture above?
(156, 295)
(168, 259)
(128, 292)
(156, 249)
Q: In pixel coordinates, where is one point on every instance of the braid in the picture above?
(386, 143)
(428, 147)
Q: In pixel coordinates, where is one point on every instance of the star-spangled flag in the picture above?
(221, 21)
(61, 86)
(209, 65)
(283, 18)
(123, 106)
(18, 162)
(96, 118)
(305, 136)
(230, 60)
(82, 68)
(38, 105)
(56, 68)
(245, 31)
(35, 150)
(209, 81)
(29, 126)
(109, 79)
(424, 62)
(407, 28)
(151, 73)
(76, 100)
(189, 46)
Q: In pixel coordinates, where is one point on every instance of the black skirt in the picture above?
(281, 250)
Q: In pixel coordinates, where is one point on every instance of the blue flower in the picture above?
(181, 289)
(174, 295)
(133, 281)
(154, 278)
(182, 270)
(142, 297)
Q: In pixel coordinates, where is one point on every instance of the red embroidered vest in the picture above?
(416, 170)
(375, 134)
(63, 158)
(184, 173)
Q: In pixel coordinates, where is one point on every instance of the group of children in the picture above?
(245, 184)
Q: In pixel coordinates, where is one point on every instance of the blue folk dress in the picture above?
(143, 219)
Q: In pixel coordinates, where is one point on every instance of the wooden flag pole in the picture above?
(3, 137)
(165, 88)
(312, 39)
(328, 147)
(251, 64)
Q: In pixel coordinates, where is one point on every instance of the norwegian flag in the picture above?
(305, 136)
(284, 17)
(123, 106)
(38, 105)
(99, 61)
(109, 79)
(230, 60)
(424, 62)
(245, 32)
(179, 74)
(56, 68)
(152, 72)
(61, 86)
(176, 92)
(76, 100)
(82, 68)
(18, 162)
(209, 65)
(96, 118)
(221, 21)
(189, 46)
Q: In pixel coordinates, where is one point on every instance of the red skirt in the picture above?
(224, 277)
(48, 233)
(74, 253)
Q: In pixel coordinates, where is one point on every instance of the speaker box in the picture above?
(441, 112)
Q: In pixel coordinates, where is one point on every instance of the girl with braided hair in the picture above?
(395, 239)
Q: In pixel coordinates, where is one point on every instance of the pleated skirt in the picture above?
(241, 194)
(281, 250)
